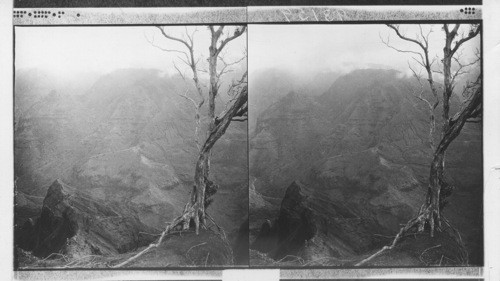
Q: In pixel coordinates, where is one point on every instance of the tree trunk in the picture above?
(196, 206)
(430, 210)
(204, 188)
(438, 189)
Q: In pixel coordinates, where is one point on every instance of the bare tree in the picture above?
(235, 109)
(450, 67)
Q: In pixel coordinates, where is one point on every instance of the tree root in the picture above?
(220, 229)
(428, 216)
(77, 263)
(464, 254)
(222, 234)
(425, 251)
(294, 258)
(191, 212)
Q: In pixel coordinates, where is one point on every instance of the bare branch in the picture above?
(189, 58)
(431, 108)
(240, 106)
(468, 93)
(179, 71)
(398, 33)
(190, 36)
(237, 33)
(225, 69)
(185, 61)
(421, 63)
(202, 70)
(189, 99)
(473, 32)
(152, 42)
(174, 38)
(233, 91)
(197, 117)
(240, 119)
(462, 68)
(424, 56)
(387, 43)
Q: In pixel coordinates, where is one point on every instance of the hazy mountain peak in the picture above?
(368, 76)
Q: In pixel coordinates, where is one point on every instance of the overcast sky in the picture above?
(66, 51)
(303, 49)
(308, 49)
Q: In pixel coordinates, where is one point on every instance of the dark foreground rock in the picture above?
(294, 226)
(307, 231)
(75, 224)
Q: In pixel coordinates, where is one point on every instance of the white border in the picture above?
(491, 52)
(6, 141)
(491, 125)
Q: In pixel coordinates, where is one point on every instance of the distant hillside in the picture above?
(269, 85)
(360, 150)
(127, 139)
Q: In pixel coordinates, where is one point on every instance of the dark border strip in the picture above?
(226, 3)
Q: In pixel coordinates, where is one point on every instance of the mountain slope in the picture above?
(128, 140)
(361, 152)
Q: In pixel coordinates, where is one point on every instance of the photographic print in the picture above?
(365, 145)
(130, 147)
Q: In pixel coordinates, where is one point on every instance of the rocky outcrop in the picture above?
(75, 224)
(294, 226)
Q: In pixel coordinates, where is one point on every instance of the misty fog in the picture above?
(305, 51)
(70, 55)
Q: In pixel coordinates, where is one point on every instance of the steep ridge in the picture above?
(76, 224)
(361, 152)
(75, 229)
